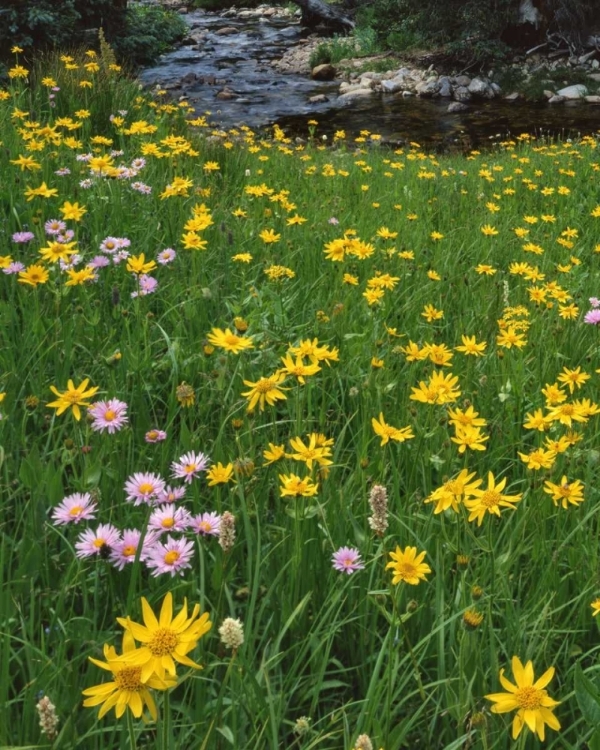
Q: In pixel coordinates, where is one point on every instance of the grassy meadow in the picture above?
(319, 416)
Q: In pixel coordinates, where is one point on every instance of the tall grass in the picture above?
(353, 653)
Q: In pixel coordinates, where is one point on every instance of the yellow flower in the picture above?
(269, 236)
(165, 640)
(33, 275)
(430, 313)
(26, 162)
(471, 346)
(469, 437)
(407, 566)
(229, 341)
(538, 459)
(273, 453)
(72, 211)
(595, 605)
(219, 474)
(127, 690)
(435, 235)
(43, 191)
(488, 230)
(264, 390)
(453, 492)
(185, 394)
(536, 421)
(530, 700)
(137, 264)
(490, 500)
(18, 72)
(509, 338)
(293, 486)
(573, 378)
(73, 397)
(311, 452)
(386, 432)
(56, 251)
(566, 492)
(483, 268)
(298, 369)
(80, 277)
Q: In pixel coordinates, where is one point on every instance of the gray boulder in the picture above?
(428, 88)
(457, 107)
(573, 92)
(462, 94)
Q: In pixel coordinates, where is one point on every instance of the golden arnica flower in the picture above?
(530, 700)
(127, 689)
(166, 639)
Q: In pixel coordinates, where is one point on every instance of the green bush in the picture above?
(148, 31)
(138, 33)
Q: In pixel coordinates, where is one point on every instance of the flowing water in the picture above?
(262, 96)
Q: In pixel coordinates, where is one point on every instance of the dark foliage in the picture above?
(138, 33)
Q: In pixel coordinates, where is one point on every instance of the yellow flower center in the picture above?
(567, 409)
(454, 487)
(491, 498)
(529, 698)
(407, 570)
(205, 526)
(73, 397)
(264, 385)
(146, 488)
(164, 641)
(99, 543)
(231, 339)
(129, 550)
(152, 434)
(171, 557)
(564, 490)
(128, 678)
(75, 510)
(167, 523)
(190, 468)
(109, 415)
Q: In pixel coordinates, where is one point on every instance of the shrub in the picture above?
(148, 31)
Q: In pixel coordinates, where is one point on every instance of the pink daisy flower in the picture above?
(169, 518)
(147, 285)
(14, 267)
(592, 317)
(109, 245)
(65, 236)
(74, 508)
(347, 560)
(143, 488)
(108, 415)
(54, 226)
(207, 524)
(99, 261)
(166, 256)
(98, 542)
(172, 557)
(155, 436)
(189, 466)
(170, 495)
(23, 237)
(125, 550)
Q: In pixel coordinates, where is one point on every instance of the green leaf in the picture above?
(588, 698)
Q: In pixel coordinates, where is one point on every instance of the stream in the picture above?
(259, 95)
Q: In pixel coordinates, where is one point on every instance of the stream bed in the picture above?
(231, 76)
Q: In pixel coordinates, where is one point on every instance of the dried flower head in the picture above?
(232, 633)
(363, 742)
(378, 502)
(227, 531)
(302, 726)
(48, 718)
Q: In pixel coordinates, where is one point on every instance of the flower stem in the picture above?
(166, 722)
(131, 731)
